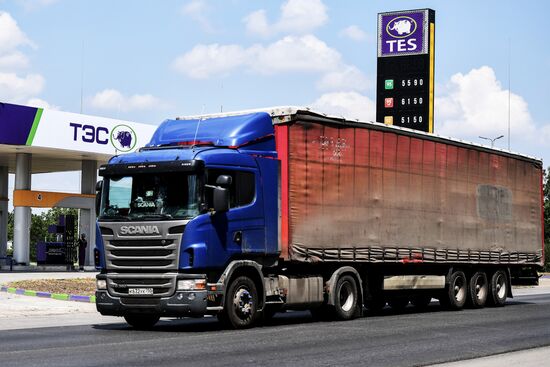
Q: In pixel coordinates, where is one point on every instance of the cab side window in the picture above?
(242, 190)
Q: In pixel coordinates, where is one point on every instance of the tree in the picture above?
(546, 194)
(39, 226)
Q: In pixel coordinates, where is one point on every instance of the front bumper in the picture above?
(192, 303)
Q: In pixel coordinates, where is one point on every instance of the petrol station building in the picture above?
(36, 140)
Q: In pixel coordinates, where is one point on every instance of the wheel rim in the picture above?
(347, 299)
(501, 286)
(481, 288)
(243, 303)
(459, 289)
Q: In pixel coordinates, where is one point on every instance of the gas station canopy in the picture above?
(36, 140)
(59, 141)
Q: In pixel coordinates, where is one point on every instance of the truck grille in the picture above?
(147, 264)
(163, 285)
(142, 254)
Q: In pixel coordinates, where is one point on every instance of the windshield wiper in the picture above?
(152, 216)
(114, 218)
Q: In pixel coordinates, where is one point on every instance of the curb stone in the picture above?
(58, 296)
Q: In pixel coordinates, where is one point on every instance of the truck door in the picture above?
(242, 229)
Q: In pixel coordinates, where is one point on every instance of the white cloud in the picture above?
(297, 17)
(290, 54)
(14, 87)
(351, 105)
(346, 78)
(476, 104)
(256, 23)
(306, 54)
(40, 103)
(18, 89)
(354, 33)
(197, 10)
(12, 37)
(204, 61)
(112, 99)
(31, 5)
(13, 60)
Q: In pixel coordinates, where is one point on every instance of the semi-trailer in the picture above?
(245, 214)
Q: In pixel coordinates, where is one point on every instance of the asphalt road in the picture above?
(291, 339)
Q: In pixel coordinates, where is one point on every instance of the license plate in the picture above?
(140, 291)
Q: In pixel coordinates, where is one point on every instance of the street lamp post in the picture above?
(492, 140)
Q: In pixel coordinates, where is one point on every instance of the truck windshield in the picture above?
(159, 196)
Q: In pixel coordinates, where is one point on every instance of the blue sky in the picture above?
(147, 61)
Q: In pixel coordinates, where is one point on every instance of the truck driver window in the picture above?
(242, 189)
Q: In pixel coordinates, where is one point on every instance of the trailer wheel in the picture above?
(498, 291)
(142, 322)
(345, 307)
(421, 301)
(455, 294)
(398, 304)
(241, 304)
(478, 290)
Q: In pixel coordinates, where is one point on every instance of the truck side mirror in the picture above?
(224, 180)
(98, 191)
(221, 199)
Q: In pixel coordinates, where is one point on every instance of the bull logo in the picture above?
(401, 27)
(123, 138)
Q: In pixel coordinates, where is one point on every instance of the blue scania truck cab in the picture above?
(188, 218)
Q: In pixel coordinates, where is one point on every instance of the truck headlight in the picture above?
(101, 284)
(191, 284)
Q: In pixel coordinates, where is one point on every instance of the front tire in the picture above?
(142, 322)
(241, 304)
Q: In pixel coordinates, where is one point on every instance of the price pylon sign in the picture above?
(405, 69)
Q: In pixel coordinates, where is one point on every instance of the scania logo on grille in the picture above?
(131, 230)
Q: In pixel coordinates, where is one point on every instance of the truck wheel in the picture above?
(345, 307)
(498, 290)
(421, 301)
(455, 294)
(398, 304)
(241, 304)
(142, 322)
(478, 290)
